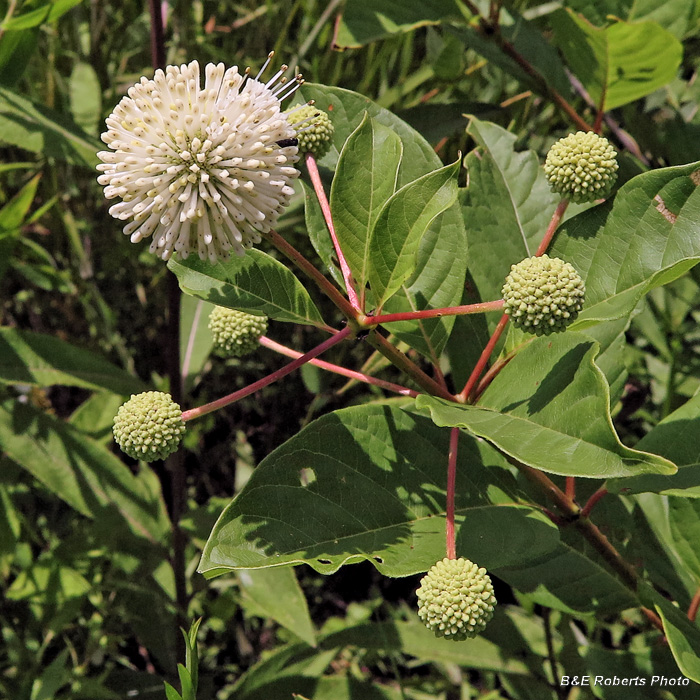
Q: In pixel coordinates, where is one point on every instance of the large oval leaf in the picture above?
(369, 483)
(255, 283)
(549, 408)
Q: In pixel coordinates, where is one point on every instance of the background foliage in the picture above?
(87, 555)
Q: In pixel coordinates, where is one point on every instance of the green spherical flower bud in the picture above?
(149, 426)
(543, 295)
(582, 167)
(314, 129)
(455, 599)
(236, 333)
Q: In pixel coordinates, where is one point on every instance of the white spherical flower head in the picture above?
(205, 169)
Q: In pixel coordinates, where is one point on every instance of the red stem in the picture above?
(556, 219)
(326, 209)
(269, 379)
(434, 313)
(451, 479)
(330, 367)
(483, 360)
(571, 487)
(694, 605)
(586, 510)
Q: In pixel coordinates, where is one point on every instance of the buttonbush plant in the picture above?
(429, 319)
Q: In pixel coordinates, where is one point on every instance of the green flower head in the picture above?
(543, 295)
(149, 426)
(314, 129)
(455, 599)
(235, 333)
(582, 167)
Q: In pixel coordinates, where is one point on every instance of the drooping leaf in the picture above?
(647, 237)
(255, 283)
(549, 409)
(42, 360)
(400, 226)
(195, 337)
(362, 23)
(371, 482)
(36, 128)
(85, 97)
(48, 12)
(674, 439)
(276, 594)
(619, 63)
(81, 472)
(365, 178)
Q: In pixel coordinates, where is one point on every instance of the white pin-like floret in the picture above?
(199, 168)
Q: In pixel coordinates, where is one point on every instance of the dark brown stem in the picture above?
(313, 272)
(451, 479)
(397, 358)
(157, 38)
(491, 31)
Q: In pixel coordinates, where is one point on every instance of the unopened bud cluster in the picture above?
(235, 333)
(543, 295)
(582, 167)
(149, 426)
(314, 129)
(455, 599)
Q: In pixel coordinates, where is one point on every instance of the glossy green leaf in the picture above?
(400, 226)
(78, 470)
(438, 279)
(48, 12)
(42, 360)
(371, 483)
(619, 63)
(36, 128)
(675, 439)
(196, 340)
(276, 594)
(255, 283)
(647, 237)
(549, 408)
(365, 178)
(85, 94)
(362, 23)
(507, 206)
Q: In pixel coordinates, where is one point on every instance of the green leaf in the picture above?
(362, 23)
(438, 279)
(41, 360)
(400, 226)
(170, 692)
(185, 683)
(549, 408)
(16, 50)
(85, 97)
(276, 594)
(506, 206)
(95, 416)
(371, 482)
(78, 470)
(255, 283)
(365, 178)
(674, 439)
(647, 237)
(196, 340)
(12, 216)
(48, 12)
(567, 580)
(619, 63)
(39, 129)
